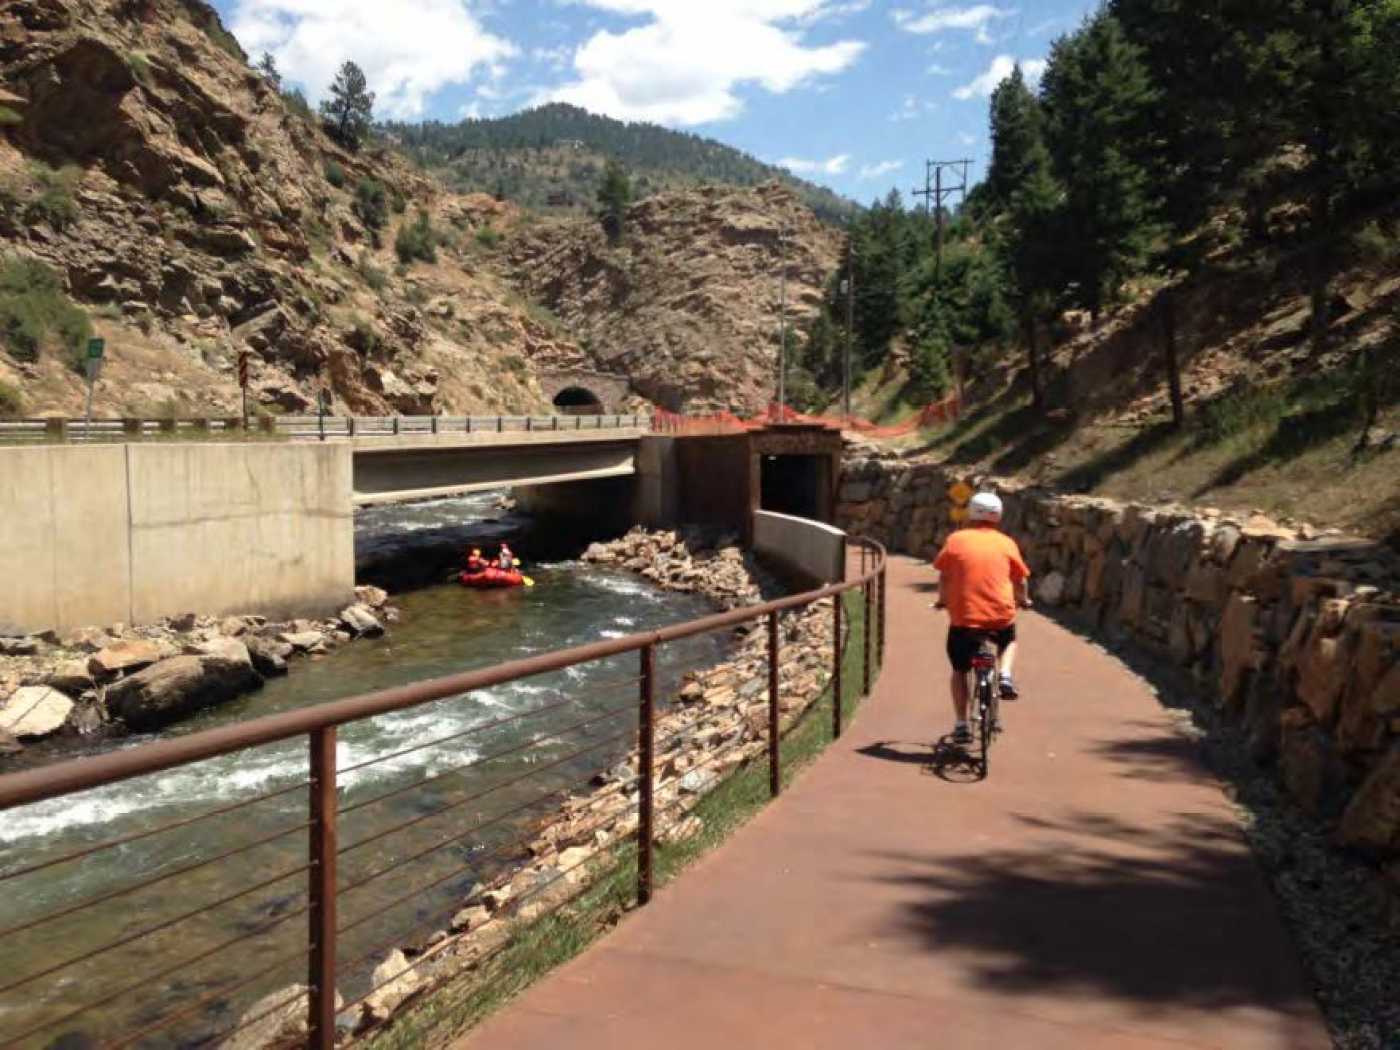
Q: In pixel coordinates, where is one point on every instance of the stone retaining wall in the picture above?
(1294, 633)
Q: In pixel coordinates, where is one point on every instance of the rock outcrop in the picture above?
(688, 305)
(181, 686)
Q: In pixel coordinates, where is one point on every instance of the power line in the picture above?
(937, 190)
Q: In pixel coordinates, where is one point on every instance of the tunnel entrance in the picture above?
(796, 485)
(576, 401)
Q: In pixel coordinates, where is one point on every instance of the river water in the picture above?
(487, 780)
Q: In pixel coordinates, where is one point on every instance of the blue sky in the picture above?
(853, 94)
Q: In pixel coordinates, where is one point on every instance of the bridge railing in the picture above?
(100, 957)
(300, 427)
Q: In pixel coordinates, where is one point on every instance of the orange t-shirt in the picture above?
(977, 567)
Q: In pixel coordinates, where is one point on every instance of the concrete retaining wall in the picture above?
(1295, 635)
(131, 533)
(809, 549)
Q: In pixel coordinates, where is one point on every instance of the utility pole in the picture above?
(782, 321)
(935, 192)
(850, 291)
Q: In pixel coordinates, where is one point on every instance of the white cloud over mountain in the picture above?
(1002, 66)
(409, 49)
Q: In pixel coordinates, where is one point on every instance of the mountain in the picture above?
(552, 157)
(688, 303)
(158, 192)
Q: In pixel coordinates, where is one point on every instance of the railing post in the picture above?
(529, 424)
(434, 423)
(646, 771)
(837, 660)
(469, 424)
(500, 424)
(884, 611)
(865, 637)
(349, 426)
(556, 422)
(321, 970)
(775, 769)
(396, 425)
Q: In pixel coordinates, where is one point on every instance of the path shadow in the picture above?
(946, 760)
(1161, 915)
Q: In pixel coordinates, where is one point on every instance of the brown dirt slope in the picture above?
(687, 304)
(202, 220)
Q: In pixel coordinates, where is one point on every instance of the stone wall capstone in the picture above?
(1294, 633)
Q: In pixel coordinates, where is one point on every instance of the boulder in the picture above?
(184, 622)
(72, 677)
(1311, 769)
(304, 641)
(284, 1026)
(373, 597)
(179, 687)
(8, 744)
(1372, 820)
(19, 646)
(1052, 588)
(361, 622)
(34, 711)
(393, 982)
(86, 639)
(1238, 648)
(122, 657)
(269, 656)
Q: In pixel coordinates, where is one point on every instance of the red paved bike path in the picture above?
(1093, 892)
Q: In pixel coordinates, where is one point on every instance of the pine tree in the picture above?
(1034, 256)
(614, 195)
(347, 114)
(1016, 127)
(267, 66)
(1099, 102)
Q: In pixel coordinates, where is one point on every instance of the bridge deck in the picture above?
(1094, 892)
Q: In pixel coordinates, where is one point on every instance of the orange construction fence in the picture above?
(664, 422)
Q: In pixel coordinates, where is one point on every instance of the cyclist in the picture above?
(983, 578)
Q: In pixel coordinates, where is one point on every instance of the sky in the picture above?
(852, 94)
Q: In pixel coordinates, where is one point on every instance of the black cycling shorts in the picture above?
(963, 643)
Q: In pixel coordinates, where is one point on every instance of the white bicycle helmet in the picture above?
(985, 506)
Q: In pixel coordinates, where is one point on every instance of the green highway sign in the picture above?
(95, 348)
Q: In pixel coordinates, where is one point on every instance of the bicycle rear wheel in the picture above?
(986, 710)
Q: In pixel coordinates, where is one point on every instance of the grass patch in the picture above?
(36, 311)
(54, 203)
(539, 947)
(335, 173)
(9, 117)
(11, 402)
(417, 240)
(488, 237)
(140, 67)
(376, 278)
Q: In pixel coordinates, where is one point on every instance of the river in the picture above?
(567, 736)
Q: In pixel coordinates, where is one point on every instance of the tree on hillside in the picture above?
(267, 66)
(879, 268)
(1016, 127)
(371, 206)
(1034, 256)
(347, 114)
(1099, 104)
(614, 195)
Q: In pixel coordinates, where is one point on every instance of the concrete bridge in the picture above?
(131, 532)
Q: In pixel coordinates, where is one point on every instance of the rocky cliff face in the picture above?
(687, 304)
(193, 213)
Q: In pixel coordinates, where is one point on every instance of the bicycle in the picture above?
(987, 696)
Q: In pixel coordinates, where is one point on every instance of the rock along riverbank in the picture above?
(716, 723)
(103, 680)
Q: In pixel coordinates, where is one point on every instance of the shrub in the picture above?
(295, 100)
(35, 309)
(488, 237)
(417, 240)
(11, 403)
(9, 118)
(1375, 244)
(515, 363)
(140, 67)
(1240, 411)
(54, 204)
(371, 204)
(398, 202)
(335, 174)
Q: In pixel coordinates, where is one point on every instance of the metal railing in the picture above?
(326, 870)
(60, 430)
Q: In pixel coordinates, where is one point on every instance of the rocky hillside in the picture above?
(177, 199)
(687, 304)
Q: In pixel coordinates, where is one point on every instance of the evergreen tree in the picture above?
(347, 114)
(1034, 258)
(371, 206)
(1016, 127)
(267, 66)
(614, 195)
(1099, 102)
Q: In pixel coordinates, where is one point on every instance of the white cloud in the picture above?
(937, 70)
(685, 63)
(912, 108)
(976, 19)
(409, 49)
(556, 57)
(833, 11)
(875, 171)
(967, 139)
(1001, 68)
(836, 165)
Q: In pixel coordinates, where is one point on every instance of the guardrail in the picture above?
(207, 1005)
(59, 430)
